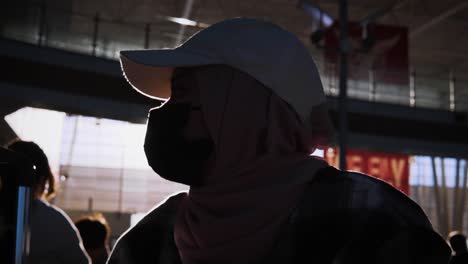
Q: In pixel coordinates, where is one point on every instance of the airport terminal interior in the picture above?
(406, 117)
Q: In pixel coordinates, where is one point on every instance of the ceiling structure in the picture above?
(438, 48)
(436, 28)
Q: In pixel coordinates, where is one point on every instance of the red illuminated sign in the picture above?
(392, 168)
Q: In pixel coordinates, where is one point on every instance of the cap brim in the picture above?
(150, 71)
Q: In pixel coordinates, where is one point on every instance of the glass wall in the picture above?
(100, 163)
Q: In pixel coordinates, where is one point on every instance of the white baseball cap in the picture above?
(268, 53)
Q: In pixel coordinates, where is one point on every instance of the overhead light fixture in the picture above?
(182, 21)
(323, 18)
(185, 21)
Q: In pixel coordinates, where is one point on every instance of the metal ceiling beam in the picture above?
(436, 20)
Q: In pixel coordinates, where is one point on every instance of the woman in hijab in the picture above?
(246, 110)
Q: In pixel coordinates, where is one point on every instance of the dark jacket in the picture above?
(459, 259)
(343, 217)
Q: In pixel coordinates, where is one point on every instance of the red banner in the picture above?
(385, 50)
(392, 168)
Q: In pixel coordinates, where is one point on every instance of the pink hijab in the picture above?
(236, 216)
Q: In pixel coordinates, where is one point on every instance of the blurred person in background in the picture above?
(95, 232)
(54, 237)
(244, 109)
(460, 251)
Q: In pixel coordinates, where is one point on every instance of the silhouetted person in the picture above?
(95, 232)
(54, 238)
(246, 110)
(460, 251)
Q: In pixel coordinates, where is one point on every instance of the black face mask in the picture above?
(169, 153)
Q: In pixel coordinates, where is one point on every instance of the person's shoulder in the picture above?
(354, 191)
(368, 181)
(357, 182)
(357, 179)
(151, 239)
(53, 213)
(385, 195)
(163, 212)
(369, 212)
(159, 218)
(58, 223)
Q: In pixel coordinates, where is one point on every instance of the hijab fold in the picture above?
(260, 169)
